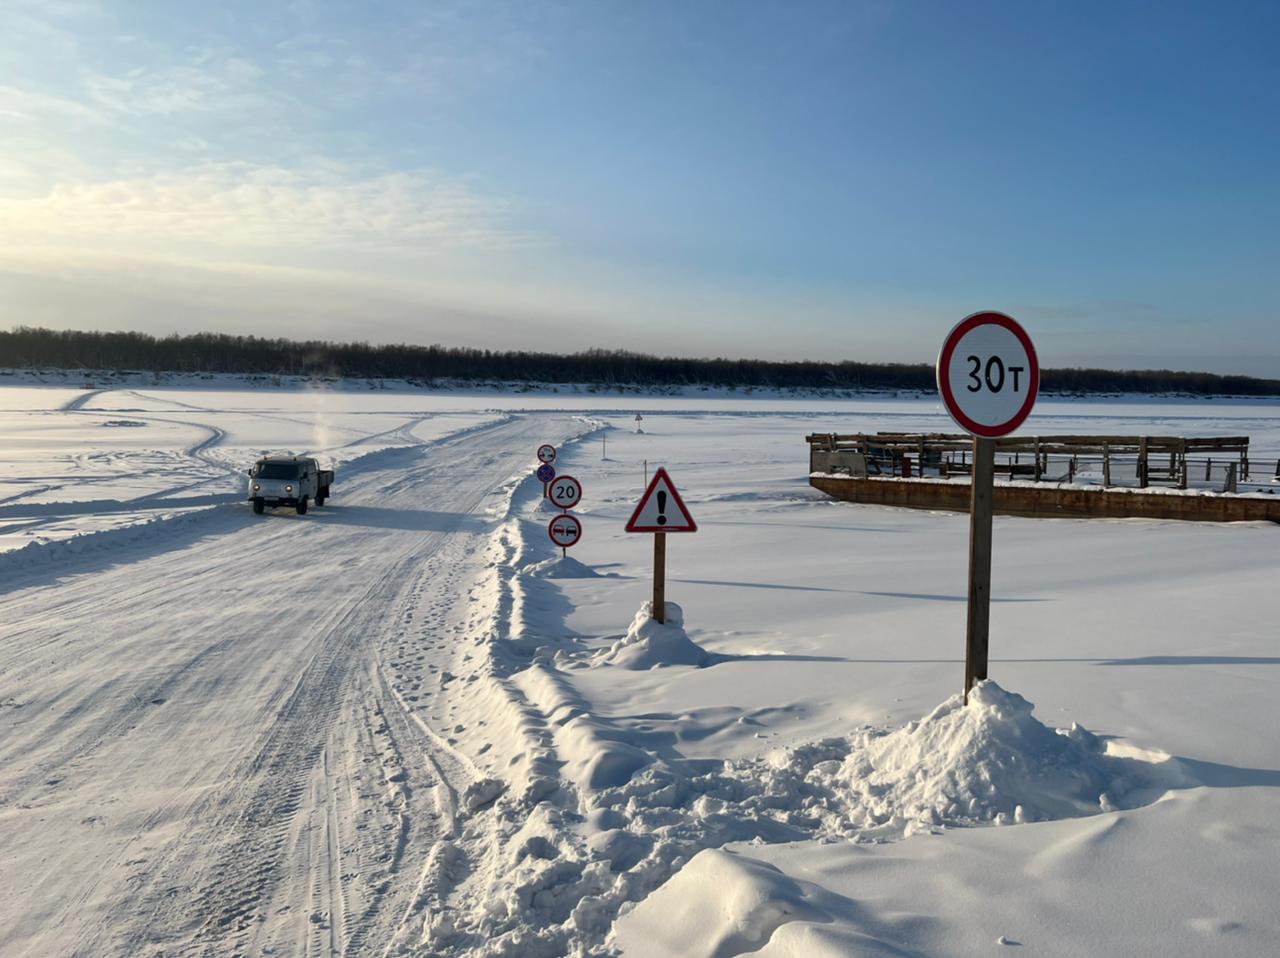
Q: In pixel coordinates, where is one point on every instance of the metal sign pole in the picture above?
(975, 658)
(660, 577)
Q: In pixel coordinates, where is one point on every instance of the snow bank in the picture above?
(990, 760)
(42, 553)
(650, 644)
(719, 904)
(560, 567)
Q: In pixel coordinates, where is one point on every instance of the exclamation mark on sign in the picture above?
(662, 508)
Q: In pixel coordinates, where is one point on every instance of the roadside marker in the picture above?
(988, 377)
(661, 510)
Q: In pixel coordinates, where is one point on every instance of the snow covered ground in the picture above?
(402, 724)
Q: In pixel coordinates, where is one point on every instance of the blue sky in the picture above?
(786, 180)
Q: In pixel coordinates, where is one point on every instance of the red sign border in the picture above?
(562, 479)
(538, 455)
(675, 494)
(963, 328)
(576, 521)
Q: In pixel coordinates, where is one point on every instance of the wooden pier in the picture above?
(1154, 477)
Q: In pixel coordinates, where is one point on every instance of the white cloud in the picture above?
(18, 103)
(211, 84)
(239, 205)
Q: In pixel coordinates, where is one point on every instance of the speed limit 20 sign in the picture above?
(565, 492)
(988, 374)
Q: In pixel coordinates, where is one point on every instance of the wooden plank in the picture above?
(1047, 501)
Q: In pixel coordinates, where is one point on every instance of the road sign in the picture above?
(545, 472)
(565, 530)
(565, 492)
(661, 509)
(988, 374)
(546, 453)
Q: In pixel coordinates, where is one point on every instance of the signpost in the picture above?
(565, 530)
(661, 510)
(545, 473)
(566, 492)
(988, 376)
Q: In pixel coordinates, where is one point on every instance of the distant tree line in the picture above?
(30, 347)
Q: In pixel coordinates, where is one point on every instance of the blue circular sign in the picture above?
(546, 472)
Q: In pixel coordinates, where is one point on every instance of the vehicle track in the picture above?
(255, 777)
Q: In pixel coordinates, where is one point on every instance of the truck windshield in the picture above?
(277, 470)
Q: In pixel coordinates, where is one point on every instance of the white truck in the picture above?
(288, 481)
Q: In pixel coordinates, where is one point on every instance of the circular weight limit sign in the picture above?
(546, 453)
(565, 531)
(988, 374)
(545, 472)
(565, 492)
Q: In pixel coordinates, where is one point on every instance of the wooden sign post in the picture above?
(988, 376)
(661, 510)
(976, 630)
(660, 576)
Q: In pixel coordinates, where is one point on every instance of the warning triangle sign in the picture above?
(661, 509)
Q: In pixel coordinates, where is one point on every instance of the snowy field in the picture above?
(401, 725)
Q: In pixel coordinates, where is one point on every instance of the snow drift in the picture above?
(990, 760)
(560, 567)
(650, 644)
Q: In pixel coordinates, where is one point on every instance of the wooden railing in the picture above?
(1162, 459)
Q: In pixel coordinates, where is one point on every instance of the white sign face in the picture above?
(565, 492)
(564, 531)
(546, 453)
(988, 374)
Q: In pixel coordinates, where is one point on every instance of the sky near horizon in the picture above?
(831, 180)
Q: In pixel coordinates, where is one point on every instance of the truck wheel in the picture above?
(259, 505)
(302, 506)
(321, 495)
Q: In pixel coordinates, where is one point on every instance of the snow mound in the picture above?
(650, 644)
(560, 567)
(990, 760)
(719, 904)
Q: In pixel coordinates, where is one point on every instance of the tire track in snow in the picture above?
(211, 864)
